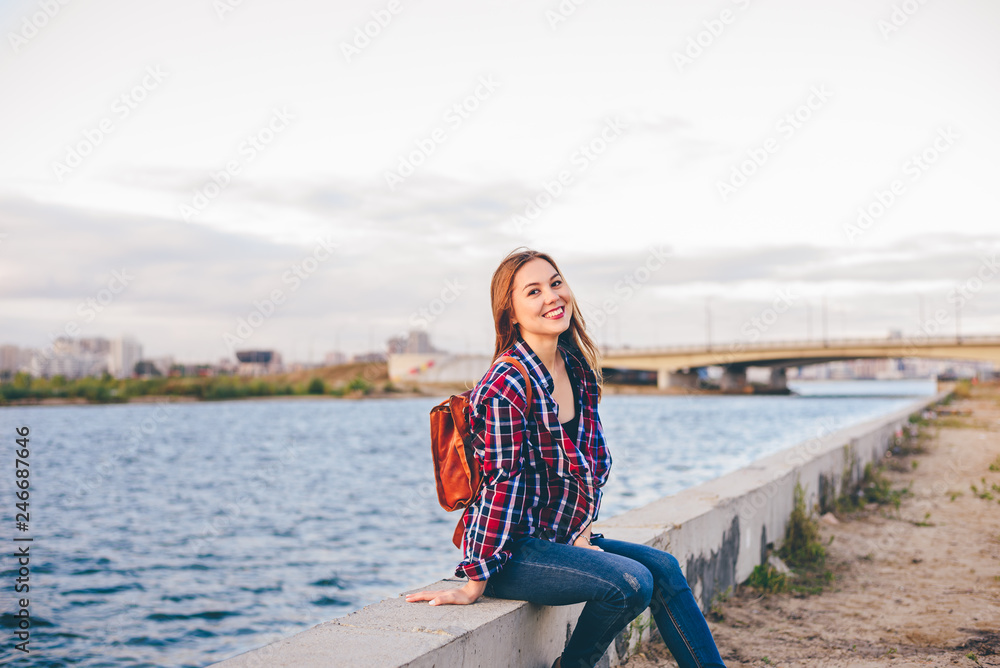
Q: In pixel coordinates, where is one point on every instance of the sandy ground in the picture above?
(903, 594)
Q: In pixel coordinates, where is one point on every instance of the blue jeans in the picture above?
(617, 585)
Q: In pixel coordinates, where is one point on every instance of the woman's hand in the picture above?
(583, 540)
(464, 595)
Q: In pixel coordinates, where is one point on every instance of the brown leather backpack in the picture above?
(456, 470)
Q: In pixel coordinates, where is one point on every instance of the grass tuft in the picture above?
(802, 549)
(767, 579)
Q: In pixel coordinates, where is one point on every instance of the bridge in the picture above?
(678, 366)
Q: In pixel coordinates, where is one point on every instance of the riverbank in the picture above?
(917, 586)
(229, 388)
(355, 380)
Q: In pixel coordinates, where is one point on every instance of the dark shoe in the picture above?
(558, 662)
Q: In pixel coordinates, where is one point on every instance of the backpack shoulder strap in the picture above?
(527, 379)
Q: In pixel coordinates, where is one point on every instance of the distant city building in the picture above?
(255, 356)
(13, 359)
(437, 367)
(258, 362)
(95, 345)
(123, 355)
(417, 341)
(63, 361)
(70, 358)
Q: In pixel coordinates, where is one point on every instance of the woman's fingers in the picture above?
(437, 597)
(422, 596)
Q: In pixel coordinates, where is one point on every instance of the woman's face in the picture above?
(540, 290)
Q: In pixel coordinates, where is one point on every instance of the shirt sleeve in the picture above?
(600, 461)
(504, 490)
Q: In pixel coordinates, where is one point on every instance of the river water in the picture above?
(183, 534)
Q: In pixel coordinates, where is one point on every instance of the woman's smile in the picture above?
(555, 314)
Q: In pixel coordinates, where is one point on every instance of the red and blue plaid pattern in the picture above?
(537, 480)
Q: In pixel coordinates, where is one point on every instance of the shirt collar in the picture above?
(538, 369)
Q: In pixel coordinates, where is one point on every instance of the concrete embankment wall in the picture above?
(718, 531)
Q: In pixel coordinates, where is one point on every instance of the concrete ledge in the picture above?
(718, 531)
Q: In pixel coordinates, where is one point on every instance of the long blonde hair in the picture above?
(502, 301)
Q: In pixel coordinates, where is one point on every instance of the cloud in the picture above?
(54, 252)
(396, 255)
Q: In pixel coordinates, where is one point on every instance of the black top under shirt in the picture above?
(571, 427)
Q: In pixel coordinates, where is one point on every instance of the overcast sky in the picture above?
(366, 177)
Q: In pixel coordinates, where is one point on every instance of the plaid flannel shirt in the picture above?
(537, 480)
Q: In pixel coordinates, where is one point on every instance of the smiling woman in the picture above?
(529, 534)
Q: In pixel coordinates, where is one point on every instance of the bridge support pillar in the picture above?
(779, 378)
(667, 378)
(734, 380)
